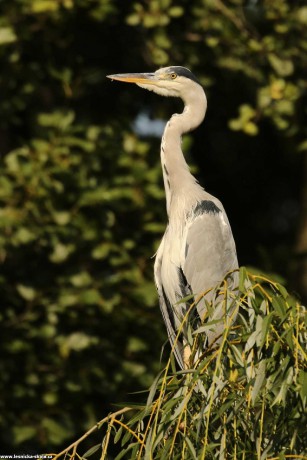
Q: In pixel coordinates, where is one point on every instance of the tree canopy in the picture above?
(82, 202)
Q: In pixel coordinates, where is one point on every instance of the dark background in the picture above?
(82, 204)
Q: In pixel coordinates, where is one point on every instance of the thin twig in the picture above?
(130, 431)
(75, 444)
(231, 16)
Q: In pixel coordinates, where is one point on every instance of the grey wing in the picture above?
(209, 249)
(166, 308)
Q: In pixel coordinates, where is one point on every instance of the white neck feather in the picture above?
(176, 174)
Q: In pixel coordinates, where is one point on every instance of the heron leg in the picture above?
(186, 355)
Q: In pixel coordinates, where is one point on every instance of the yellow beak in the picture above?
(148, 78)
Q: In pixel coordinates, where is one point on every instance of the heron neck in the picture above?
(176, 173)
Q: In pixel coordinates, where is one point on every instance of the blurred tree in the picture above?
(82, 205)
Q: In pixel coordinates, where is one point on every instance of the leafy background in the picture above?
(82, 204)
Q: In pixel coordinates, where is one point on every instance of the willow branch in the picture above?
(75, 444)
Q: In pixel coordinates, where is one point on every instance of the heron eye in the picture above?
(173, 76)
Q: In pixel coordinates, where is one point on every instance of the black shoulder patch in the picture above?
(184, 72)
(206, 207)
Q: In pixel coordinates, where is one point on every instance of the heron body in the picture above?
(197, 249)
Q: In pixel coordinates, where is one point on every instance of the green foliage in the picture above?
(75, 284)
(81, 200)
(245, 397)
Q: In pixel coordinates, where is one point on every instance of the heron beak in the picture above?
(148, 78)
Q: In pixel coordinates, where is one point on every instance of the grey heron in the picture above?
(197, 250)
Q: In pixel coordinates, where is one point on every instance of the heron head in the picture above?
(170, 81)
